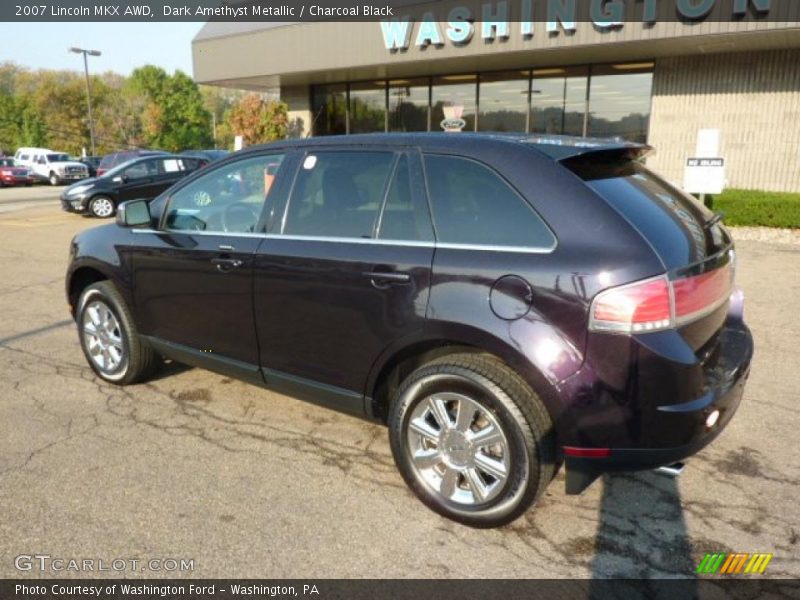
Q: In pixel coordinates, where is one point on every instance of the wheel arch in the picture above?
(79, 280)
(397, 363)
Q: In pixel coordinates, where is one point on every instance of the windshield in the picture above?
(57, 158)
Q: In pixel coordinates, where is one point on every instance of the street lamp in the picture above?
(88, 90)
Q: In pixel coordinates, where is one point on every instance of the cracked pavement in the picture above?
(252, 484)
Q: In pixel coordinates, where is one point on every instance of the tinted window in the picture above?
(672, 222)
(405, 215)
(473, 205)
(230, 198)
(338, 194)
(145, 168)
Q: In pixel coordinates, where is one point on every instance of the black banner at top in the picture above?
(600, 13)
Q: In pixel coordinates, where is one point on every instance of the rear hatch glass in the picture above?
(680, 229)
(687, 236)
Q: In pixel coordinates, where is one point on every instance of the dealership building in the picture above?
(653, 72)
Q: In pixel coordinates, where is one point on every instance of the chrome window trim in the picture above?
(372, 241)
(499, 248)
(350, 240)
(199, 232)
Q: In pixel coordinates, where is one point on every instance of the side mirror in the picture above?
(134, 213)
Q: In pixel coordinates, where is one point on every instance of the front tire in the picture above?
(472, 440)
(54, 180)
(109, 339)
(102, 207)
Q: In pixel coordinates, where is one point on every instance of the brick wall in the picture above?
(752, 97)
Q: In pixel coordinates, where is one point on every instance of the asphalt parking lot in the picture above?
(247, 483)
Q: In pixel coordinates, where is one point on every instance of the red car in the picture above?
(10, 174)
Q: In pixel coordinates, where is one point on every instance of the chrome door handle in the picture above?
(383, 279)
(226, 264)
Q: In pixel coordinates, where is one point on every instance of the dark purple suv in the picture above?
(505, 304)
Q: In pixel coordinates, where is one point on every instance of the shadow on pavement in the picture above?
(642, 535)
(37, 331)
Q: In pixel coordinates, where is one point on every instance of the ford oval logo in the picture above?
(453, 125)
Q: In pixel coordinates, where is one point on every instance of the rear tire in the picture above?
(482, 467)
(109, 339)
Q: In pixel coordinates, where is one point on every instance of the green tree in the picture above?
(218, 101)
(34, 130)
(174, 116)
(257, 120)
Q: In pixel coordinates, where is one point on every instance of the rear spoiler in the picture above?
(574, 148)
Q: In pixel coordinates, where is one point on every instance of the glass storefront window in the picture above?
(458, 94)
(329, 103)
(368, 107)
(619, 101)
(558, 100)
(503, 101)
(408, 105)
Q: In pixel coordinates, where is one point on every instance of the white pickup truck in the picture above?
(55, 167)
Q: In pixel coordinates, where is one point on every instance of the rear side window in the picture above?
(473, 205)
(338, 194)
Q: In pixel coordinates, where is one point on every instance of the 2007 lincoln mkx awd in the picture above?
(506, 304)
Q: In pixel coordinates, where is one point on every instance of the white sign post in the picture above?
(704, 173)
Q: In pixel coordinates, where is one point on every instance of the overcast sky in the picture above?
(125, 46)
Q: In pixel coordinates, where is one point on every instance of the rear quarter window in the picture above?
(473, 205)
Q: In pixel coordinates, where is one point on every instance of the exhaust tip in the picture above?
(672, 470)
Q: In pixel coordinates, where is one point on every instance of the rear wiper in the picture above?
(714, 220)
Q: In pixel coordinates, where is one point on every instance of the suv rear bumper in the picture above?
(724, 386)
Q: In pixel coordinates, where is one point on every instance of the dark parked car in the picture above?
(505, 304)
(206, 157)
(92, 163)
(109, 161)
(141, 178)
(12, 174)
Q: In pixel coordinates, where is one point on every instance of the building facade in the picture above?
(648, 77)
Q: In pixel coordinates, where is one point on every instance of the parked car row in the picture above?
(13, 174)
(140, 178)
(30, 165)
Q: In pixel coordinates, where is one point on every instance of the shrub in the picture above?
(756, 208)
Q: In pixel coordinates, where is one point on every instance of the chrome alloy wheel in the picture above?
(102, 207)
(102, 337)
(458, 448)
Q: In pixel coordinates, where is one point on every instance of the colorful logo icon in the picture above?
(734, 564)
(453, 123)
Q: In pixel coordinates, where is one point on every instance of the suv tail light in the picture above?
(657, 304)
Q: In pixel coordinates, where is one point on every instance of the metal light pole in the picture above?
(88, 89)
